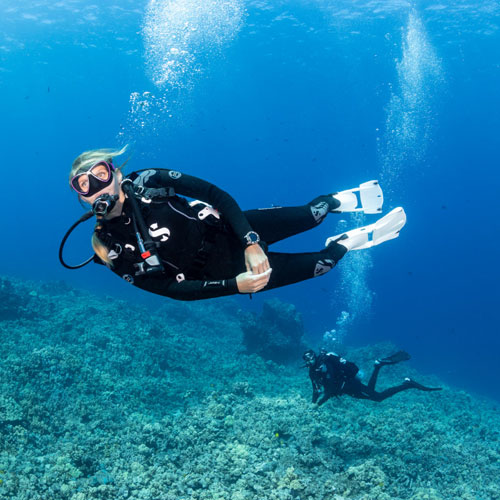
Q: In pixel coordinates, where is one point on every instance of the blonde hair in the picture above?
(85, 161)
(89, 158)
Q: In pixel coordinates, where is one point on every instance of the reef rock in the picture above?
(276, 334)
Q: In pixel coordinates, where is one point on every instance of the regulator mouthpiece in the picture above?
(104, 204)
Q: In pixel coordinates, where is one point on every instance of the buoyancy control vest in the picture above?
(144, 201)
(181, 233)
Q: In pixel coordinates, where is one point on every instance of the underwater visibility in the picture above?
(250, 250)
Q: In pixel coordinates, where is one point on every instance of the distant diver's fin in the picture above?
(398, 357)
(385, 229)
(411, 384)
(370, 199)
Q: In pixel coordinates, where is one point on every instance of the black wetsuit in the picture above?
(332, 375)
(203, 254)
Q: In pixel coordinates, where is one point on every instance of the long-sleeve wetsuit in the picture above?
(203, 257)
(332, 375)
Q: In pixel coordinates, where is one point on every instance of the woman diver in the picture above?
(150, 235)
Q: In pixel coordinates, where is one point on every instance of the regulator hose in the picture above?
(83, 218)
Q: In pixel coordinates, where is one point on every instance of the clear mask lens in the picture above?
(93, 180)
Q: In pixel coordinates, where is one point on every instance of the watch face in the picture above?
(252, 237)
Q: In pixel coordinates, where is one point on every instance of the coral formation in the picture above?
(12, 304)
(276, 334)
(101, 399)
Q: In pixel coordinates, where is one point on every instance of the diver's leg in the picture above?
(292, 268)
(389, 360)
(356, 389)
(407, 384)
(380, 396)
(373, 378)
(362, 391)
(277, 223)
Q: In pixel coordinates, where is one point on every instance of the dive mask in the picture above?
(97, 177)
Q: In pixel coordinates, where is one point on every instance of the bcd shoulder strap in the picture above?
(148, 194)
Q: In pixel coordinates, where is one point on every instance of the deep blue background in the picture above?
(289, 108)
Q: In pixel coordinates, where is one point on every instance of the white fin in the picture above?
(385, 229)
(370, 200)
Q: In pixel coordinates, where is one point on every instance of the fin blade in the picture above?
(371, 199)
(397, 357)
(371, 196)
(389, 226)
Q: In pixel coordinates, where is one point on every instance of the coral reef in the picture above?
(12, 303)
(101, 399)
(276, 334)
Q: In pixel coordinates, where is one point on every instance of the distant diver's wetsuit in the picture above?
(332, 375)
(201, 249)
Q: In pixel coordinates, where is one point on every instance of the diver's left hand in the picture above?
(256, 260)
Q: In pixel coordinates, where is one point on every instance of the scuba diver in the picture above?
(332, 375)
(149, 234)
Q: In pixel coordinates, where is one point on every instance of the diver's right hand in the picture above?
(251, 283)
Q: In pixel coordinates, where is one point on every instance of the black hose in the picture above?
(83, 218)
(142, 233)
(128, 187)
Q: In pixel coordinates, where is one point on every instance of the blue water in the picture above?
(277, 102)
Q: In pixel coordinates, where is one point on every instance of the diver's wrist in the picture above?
(251, 238)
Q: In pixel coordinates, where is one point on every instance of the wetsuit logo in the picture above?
(156, 232)
(129, 278)
(319, 211)
(174, 174)
(323, 266)
(144, 177)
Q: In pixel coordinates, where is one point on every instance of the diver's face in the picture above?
(310, 359)
(101, 178)
(112, 189)
(88, 182)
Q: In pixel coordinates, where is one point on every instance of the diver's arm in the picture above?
(325, 397)
(194, 187)
(196, 289)
(315, 394)
(168, 286)
(315, 388)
